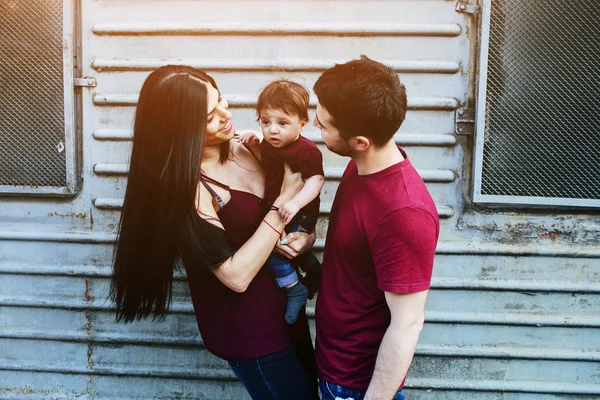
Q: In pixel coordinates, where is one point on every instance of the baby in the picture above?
(282, 112)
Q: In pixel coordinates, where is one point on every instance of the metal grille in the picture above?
(542, 128)
(32, 128)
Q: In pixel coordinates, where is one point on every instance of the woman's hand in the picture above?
(292, 184)
(295, 243)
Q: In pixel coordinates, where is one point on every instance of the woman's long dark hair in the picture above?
(159, 222)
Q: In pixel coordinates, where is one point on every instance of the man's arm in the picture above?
(403, 248)
(398, 345)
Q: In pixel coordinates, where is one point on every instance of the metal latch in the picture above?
(84, 82)
(465, 121)
(467, 8)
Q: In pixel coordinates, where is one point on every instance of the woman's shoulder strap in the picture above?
(208, 179)
(212, 191)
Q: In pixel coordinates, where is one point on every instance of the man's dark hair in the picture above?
(364, 98)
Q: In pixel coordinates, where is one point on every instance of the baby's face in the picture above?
(279, 128)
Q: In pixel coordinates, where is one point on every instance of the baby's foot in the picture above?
(297, 296)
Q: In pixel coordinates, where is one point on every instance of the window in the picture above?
(37, 135)
(538, 115)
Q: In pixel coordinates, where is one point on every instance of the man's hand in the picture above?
(288, 211)
(295, 243)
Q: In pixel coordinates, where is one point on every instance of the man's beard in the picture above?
(342, 148)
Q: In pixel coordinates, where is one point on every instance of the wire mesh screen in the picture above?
(32, 128)
(542, 128)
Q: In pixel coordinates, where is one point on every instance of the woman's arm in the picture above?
(238, 270)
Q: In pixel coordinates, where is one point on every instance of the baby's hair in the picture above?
(287, 96)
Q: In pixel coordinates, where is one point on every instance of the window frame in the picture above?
(70, 54)
(480, 119)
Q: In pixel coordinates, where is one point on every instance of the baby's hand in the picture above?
(288, 211)
(249, 138)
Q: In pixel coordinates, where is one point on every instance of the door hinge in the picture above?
(84, 82)
(467, 8)
(464, 121)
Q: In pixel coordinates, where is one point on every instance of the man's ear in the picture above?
(361, 143)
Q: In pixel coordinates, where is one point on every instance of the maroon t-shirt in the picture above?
(242, 325)
(302, 156)
(382, 235)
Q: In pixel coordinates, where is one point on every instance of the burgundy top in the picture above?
(242, 325)
(382, 235)
(302, 156)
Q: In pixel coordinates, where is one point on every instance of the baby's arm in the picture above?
(251, 140)
(310, 191)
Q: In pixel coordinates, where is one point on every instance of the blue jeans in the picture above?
(331, 391)
(282, 270)
(280, 266)
(276, 376)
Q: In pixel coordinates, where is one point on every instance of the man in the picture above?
(381, 241)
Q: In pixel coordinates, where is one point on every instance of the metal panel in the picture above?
(537, 118)
(488, 325)
(246, 53)
(37, 128)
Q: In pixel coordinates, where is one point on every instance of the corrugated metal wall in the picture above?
(513, 313)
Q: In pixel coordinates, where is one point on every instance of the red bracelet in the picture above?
(272, 227)
(273, 208)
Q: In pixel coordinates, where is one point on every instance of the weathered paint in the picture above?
(512, 313)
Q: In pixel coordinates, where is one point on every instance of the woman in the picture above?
(193, 200)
